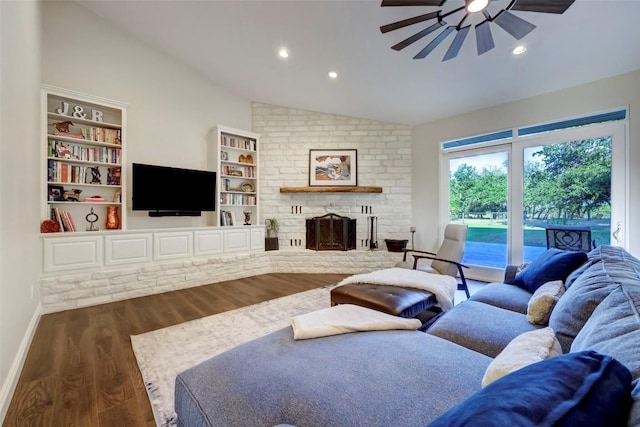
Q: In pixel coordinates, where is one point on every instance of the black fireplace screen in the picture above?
(331, 232)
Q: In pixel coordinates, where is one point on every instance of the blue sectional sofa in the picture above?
(411, 378)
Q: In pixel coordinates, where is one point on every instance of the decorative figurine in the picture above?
(62, 127)
(95, 175)
(247, 217)
(72, 196)
(92, 218)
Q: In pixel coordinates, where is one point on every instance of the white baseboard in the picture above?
(9, 385)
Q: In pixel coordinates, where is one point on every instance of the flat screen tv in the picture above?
(169, 191)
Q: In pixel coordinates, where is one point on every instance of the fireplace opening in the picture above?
(331, 232)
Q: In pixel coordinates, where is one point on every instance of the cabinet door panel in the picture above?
(172, 245)
(208, 242)
(236, 240)
(73, 253)
(127, 249)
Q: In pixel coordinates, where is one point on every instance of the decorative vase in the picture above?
(113, 220)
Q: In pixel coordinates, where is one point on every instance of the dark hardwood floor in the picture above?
(81, 370)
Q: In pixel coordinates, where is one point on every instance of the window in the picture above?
(508, 190)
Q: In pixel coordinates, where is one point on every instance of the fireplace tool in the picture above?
(372, 231)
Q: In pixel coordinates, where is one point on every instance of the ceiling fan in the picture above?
(506, 20)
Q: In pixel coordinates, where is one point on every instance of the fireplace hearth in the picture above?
(331, 232)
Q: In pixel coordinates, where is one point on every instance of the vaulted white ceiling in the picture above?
(235, 43)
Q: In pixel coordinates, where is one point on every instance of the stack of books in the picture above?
(64, 219)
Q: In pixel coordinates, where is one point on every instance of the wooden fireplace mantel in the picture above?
(358, 189)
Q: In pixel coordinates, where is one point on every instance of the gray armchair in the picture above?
(447, 260)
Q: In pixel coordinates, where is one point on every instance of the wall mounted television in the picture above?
(169, 191)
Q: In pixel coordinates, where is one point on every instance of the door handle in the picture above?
(618, 233)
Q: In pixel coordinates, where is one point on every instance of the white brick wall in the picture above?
(82, 290)
(66, 292)
(384, 160)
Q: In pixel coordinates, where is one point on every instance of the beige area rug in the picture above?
(164, 353)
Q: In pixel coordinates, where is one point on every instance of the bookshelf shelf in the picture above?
(84, 139)
(84, 203)
(63, 117)
(237, 165)
(83, 162)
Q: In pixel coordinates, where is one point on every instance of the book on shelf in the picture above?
(63, 150)
(58, 218)
(233, 142)
(98, 134)
(95, 199)
(227, 218)
(64, 219)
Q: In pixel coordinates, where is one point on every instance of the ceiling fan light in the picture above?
(476, 5)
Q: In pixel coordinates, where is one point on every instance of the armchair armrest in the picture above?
(406, 251)
(462, 286)
(417, 257)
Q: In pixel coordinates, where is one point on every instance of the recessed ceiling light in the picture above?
(519, 50)
(333, 75)
(283, 53)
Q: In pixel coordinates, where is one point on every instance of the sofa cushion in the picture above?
(504, 296)
(553, 264)
(543, 301)
(576, 389)
(590, 289)
(614, 328)
(525, 349)
(481, 327)
(612, 254)
(402, 378)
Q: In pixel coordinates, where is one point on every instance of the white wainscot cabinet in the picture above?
(91, 251)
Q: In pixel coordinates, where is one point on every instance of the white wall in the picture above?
(384, 160)
(20, 255)
(614, 92)
(172, 108)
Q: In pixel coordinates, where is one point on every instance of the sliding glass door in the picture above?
(478, 197)
(510, 193)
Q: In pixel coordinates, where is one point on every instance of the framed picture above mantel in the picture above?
(333, 168)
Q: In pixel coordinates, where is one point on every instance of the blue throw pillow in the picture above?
(553, 264)
(575, 389)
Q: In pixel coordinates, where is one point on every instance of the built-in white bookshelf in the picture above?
(83, 140)
(237, 166)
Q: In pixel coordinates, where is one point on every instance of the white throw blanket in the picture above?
(443, 287)
(346, 318)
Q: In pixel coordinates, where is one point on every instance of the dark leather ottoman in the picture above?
(403, 302)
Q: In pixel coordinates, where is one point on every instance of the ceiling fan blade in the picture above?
(484, 38)
(434, 43)
(545, 6)
(386, 3)
(417, 36)
(407, 22)
(514, 25)
(456, 44)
